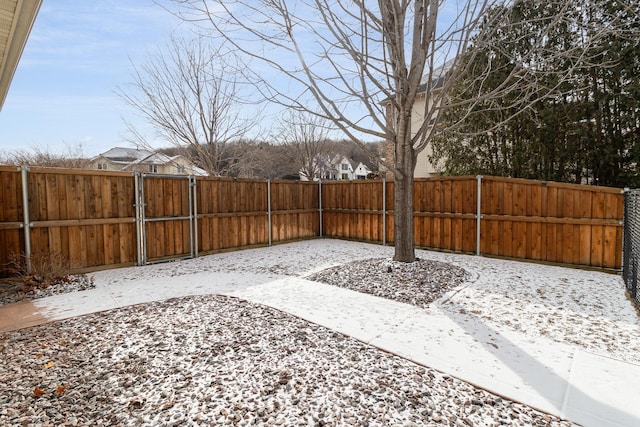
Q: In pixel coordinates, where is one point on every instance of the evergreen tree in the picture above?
(585, 130)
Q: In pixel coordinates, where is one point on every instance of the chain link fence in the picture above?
(631, 249)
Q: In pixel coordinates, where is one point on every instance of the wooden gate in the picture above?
(166, 217)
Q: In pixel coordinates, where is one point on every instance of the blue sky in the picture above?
(79, 52)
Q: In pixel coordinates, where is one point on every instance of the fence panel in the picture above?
(445, 213)
(295, 210)
(168, 220)
(86, 217)
(553, 222)
(11, 216)
(231, 213)
(353, 210)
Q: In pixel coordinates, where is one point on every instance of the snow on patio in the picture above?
(219, 359)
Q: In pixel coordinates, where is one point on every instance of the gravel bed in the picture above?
(418, 283)
(11, 290)
(215, 360)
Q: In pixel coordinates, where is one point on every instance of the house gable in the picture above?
(145, 161)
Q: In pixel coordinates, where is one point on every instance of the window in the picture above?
(344, 167)
(102, 166)
(153, 168)
(345, 176)
(182, 169)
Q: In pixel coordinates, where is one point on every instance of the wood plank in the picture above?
(520, 239)
(582, 243)
(95, 245)
(596, 246)
(551, 243)
(520, 200)
(11, 197)
(457, 233)
(108, 244)
(598, 206)
(494, 238)
(468, 236)
(567, 248)
(38, 206)
(535, 201)
(552, 202)
(508, 197)
(535, 241)
(548, 220)
(55, 240)
(507, 238)
(52, 197)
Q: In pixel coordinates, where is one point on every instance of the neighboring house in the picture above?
(424, 167)
(361, 171)
(138, 160)
(338, 168)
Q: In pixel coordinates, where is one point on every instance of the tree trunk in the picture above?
(403, 220)
(403, 196)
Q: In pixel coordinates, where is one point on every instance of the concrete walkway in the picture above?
(559, 379)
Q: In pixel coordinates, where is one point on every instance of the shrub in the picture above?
(47, 268)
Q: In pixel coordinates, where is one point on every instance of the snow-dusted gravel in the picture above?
(12, 290)
(214, 360)
(418, 283)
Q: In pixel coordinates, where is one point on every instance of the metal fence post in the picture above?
(195, 215)
(269, 208)
(143, 221)
(478, 214)
(625, 237)
(320, 203)
(384, 212)
(137, 205)
(26, 223)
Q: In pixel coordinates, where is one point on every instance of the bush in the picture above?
(46, 269)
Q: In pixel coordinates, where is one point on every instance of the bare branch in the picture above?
(189, 93)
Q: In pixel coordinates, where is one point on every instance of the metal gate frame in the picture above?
(142, 220)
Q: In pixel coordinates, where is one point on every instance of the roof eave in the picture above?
(21, 24)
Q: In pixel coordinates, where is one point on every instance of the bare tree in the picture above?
(260, 159)
(366, 66)
(306, 136)
(72, 158)
(189, 94)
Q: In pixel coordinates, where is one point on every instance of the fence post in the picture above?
(320, 204)
(269, 208)
(25, 217)
(625, 238)
(478, 214)
(194, 215)
(137, 203)
(384, 212)
(143, 221)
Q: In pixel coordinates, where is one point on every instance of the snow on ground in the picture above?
(204, 359)
(214, 360)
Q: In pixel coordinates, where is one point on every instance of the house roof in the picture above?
(125, 155)
(128, 157)
(437, 76)
(16, 20)
(135, 156)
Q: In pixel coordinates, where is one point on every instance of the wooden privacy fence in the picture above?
(543, 221)
(106, 219)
